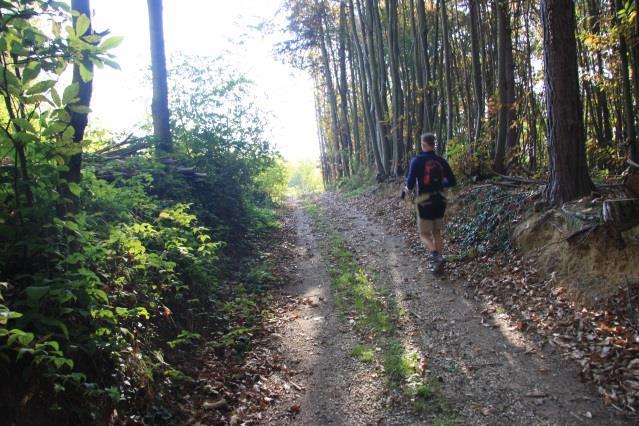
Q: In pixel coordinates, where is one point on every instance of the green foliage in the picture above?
(492, 212)
(364, 353)
(273, 181)
(85, 296)
(218, 129)
(183, 338)
(356, 184)
(398, 364)
(36, 112)
(305, 178)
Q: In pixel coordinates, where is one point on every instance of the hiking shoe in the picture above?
(437, 267)
(436, 262)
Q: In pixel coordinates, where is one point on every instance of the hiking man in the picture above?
(431, 175)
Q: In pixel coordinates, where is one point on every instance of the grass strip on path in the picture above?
(375, 313)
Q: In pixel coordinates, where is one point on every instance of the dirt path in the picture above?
(489, 373)
(322, 382)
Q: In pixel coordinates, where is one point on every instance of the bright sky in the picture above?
(212, 28)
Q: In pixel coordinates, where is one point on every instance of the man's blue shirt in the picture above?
(416, 173)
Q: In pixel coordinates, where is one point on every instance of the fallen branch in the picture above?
(519, 179)
(106, 149)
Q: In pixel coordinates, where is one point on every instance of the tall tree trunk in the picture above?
(80, 120)
(366, 87)
(628, 108)
(343, 91)
(332, 98)
(354, 107)
(532, 104)
(160, 105)
(448, 78)
(422, 30)
(505, 84)
(377, 87)
(512, 132)
(475, 20)
(396, 87)
(568, 171)
(419, 90)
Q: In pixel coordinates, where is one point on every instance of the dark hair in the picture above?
(428, 138)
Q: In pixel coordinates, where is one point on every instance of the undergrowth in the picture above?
(356, 185)
(101, 295)
(489, 214)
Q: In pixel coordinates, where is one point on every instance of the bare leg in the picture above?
(429, 241)
(438, 240)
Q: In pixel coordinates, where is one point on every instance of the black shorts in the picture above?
(431, 206)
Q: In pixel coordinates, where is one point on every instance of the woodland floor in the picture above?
(477, 366)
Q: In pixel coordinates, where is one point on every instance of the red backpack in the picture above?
(433, 174)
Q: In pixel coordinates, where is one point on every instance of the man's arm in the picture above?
(449, 175)
(411, 178)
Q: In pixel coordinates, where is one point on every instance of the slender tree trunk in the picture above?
(354, 107)
(160, 105)
(475, 20)
(568, 171)
(628, 108)
(532, 105)
(448, 78)
(332, 98)
(343, 90)
(396, 87)
(377, 86)
(80, 120)
(422, 30)
(324, 163)
(366, 87)
(420, 90)
(512, 131)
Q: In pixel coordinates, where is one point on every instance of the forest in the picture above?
(483, 76)
(191, 275)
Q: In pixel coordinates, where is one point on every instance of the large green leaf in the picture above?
(31, 71)
(85, 73)
(35, 293)
(80, 109)
(41, 87)
(23, 124)
(82, 25)
(70, 93)
(111, 43)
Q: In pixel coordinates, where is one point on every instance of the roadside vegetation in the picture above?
(111, 277)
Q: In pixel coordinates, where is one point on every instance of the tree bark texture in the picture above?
(568, 171)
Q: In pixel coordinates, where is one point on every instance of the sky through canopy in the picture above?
(212, 28)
